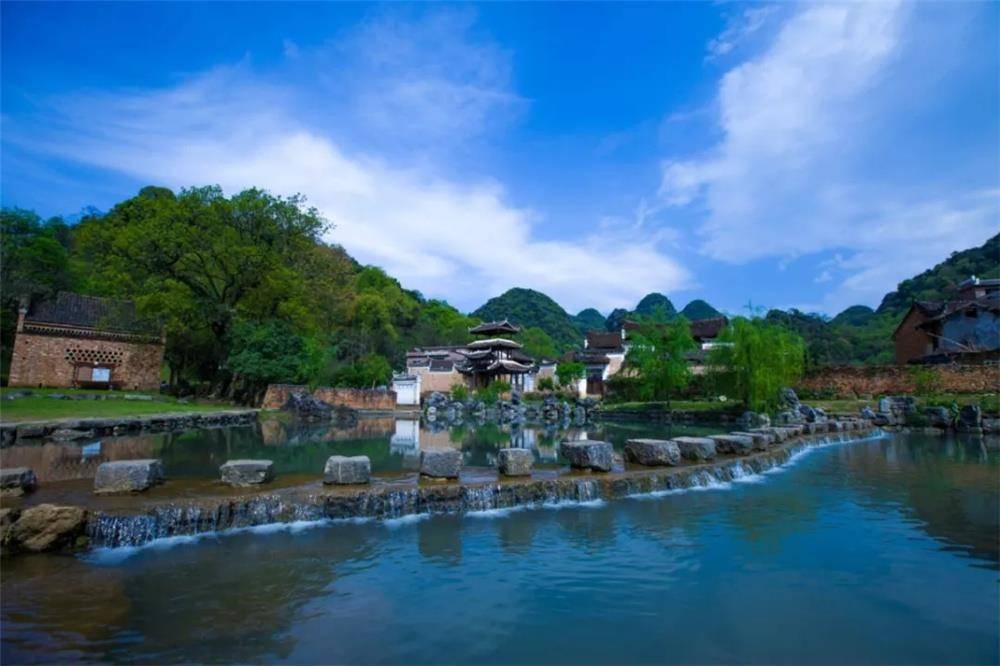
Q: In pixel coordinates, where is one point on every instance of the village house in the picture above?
(603, 353)
(473, 365)
(965, 329)
(75, 341)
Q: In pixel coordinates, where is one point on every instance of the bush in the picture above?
(925, 380)
(459, 392)
(546, 384)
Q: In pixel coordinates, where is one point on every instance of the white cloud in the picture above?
(802, 166)
(461, 239)
(738, 29)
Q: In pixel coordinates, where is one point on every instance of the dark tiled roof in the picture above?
(706, 329)
(442, 366)
(102, 314)
(492, 327)
(602, 340)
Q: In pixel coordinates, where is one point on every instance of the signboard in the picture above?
(101, 375)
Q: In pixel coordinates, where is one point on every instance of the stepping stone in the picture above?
(760, 440)
(777, 434)
(698, 449)
(247, 472)
(652, 452)
(589, 454)
(347, 470)
(441, 463)
(515, 462)
(735, 444)
(128, 476)
(17, 480)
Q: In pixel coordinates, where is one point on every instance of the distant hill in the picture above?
(527, 308)
(856, 315)
(655, 306)
(589, 320)
(935, 284)
(699, 309)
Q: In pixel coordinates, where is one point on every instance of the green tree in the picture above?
(570, 372)
(369, 371)
(754, 359)
(657, 356)
(266, 352)
(538, 344)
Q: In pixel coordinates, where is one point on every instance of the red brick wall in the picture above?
(911, 342)
(852, 381)
(40, 360)
(381, 399)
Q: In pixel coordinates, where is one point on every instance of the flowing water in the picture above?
(879, 551)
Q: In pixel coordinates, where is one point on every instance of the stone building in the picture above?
(75, 341)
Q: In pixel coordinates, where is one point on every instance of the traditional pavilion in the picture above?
(495, 357)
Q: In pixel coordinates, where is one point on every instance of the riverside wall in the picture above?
(365, 399)
(876, 380)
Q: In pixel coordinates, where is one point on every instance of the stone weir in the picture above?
(387, 501)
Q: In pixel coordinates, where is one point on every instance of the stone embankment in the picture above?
(443, 410)
(73, 429)
(48, 527)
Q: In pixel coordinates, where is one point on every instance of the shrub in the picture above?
(459, 392)
(546, 384)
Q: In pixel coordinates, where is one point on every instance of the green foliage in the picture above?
(657, 358)
(655, 308)
(369, 371)
(569, 372)
(271, 352)
(589, 320)
(937, 283)
(840, 341)
(926, 381)
(546, 384)
(491, 393)
(699, 309)
(538, 344)
(755, 359)
(529, 308)
(459, 392)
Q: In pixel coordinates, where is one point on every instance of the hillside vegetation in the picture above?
(530, 308)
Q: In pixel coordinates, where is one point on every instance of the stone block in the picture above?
(735, 444)
(70, 434)
(17, 480)
(441, 463)
(347, 470)
(652, 452)
(589, 454)
(697, 449)
(515, 462)
(124, 476)
(247, 472)
(760, 440)
(47, 527)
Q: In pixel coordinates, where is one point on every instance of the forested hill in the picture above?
(532, 309)
(699, 309)
(936, 283)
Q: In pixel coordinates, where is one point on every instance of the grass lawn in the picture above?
(37, 407)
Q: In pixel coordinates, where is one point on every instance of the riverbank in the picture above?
(42, 405)
(135, 520)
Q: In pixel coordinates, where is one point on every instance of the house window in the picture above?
(100, 375)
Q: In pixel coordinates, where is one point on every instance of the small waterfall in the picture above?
(480, 498)
(587, 491)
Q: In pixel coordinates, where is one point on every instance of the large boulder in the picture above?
(970, 419)
(754, 420)
(127, 476)
(347, 470)
(736, 444)
(939, 417)
(307, 407)
(760, 440)
(515, 462)
(17, 480)
(47, 527)
(589, 454)
(789, 398)
(652, 452)
(697, 449)
(441, 463)
(247, 472)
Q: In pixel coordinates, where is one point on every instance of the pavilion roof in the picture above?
(491, 343)
(493, 327)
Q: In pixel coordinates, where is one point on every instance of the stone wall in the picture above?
(856, 381)
(371, 399)
(44, 360)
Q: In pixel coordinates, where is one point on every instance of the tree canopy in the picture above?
(656, 355)
(754, 359)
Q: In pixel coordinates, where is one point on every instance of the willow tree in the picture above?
(754, 359)
(657, 357)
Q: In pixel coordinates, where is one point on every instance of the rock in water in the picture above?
(347, 470)
(441, 463)
(735, 444)
(589, 454)
(760, 440)
(247, 472)
(970, 419)
(124, 476)
(17, 480)
(515, 462)
(308, 407)
(696, 448)
(47, 527)
(755, 420)
(652, 452)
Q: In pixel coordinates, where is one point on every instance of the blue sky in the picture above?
(790, 155)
